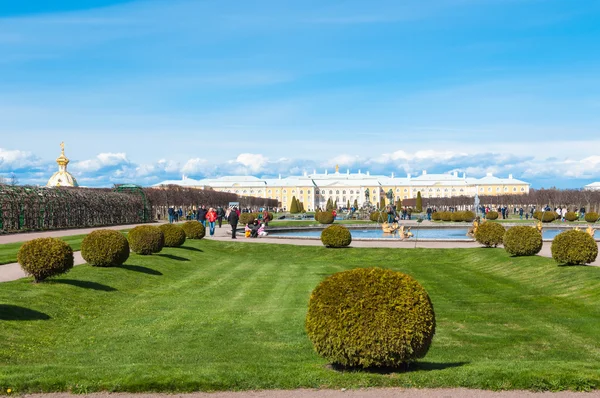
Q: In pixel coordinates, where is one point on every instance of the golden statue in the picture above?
(539, 226)
(62, 148)
(473, 230)
(337, 168)
(590, 231)
(389, 228)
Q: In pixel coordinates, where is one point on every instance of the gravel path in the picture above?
(361, 393)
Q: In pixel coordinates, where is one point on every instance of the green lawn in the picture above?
(8, 252)
(226, 316)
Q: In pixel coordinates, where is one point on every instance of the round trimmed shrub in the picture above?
(591, 217)
(468, 216)
(326, 217)
(571, 216)
(446, 216)
(549, 216)
(436, 216)
(45, 257)
(378, 216)
(491, 215)
(105, 248)
(457, 216)
(247, 218)
(193, 229)
(370, 317)
(146, 239)
(574, 247)
(522, 241)
(174, 235)
(336, 236)
(490, 234)
(537, 215)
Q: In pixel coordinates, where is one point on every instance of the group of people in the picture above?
(253, 230)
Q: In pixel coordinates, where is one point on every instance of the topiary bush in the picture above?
(247, 218)
(336, 236)
(491, 215)
(146, 239)
(591, 217)
(457, 216)
(174, 235)
(571, 216)
(326, 217)
(105, 248)
(549, 216)
(490, 234)
(468, 216)
(45, 257)
(370, 317)
(522, 241)
(446, 216)
(193, 229)
(574, 247)
(378, 216)
(436, 216)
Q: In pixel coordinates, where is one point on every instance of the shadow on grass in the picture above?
(139, 268)
(15, 313)
(85, 284)
(194, 249)
(173, 257)
(413, 367)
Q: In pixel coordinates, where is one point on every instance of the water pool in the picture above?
(420, 233)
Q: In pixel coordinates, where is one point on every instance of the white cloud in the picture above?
(15, 159)
(101, 161)
(254, 163)
(194, 166)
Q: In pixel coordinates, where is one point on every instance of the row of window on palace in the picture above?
(337, 192)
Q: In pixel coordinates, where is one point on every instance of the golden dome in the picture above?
(62, 178)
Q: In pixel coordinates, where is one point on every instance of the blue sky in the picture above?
(143, 91)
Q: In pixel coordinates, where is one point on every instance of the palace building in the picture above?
(313, 190)
(62, 178)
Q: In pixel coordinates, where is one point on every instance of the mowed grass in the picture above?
(230, 316)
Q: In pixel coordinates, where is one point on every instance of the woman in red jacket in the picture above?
(211, 216)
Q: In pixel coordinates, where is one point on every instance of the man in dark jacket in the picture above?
(220, 215)
(233, 221)
(201, 215)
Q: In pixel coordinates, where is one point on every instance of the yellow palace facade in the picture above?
(314, 190)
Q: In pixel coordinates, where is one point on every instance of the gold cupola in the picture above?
(62, 178)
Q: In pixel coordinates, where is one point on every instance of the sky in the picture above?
(145, 91)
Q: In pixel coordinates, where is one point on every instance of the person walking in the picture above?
(171, 214)
(211, 216)
(201, 215)
(266, 217)
(220, 215)
(233, 219)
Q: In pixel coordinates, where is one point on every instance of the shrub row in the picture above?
(46, 257)
(456, 216)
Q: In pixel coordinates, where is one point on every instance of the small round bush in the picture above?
(336, 236)
(591, 217)
(468, 216)
(193, 229)
(491, 215)
(370, 317)
(174, 235)
(436, 216)
(247, 218)
(105, 248)
(45, 257)
(490, 234)
(457, 216)
(549, 216)
(146, 239)
(377, 216)
(571, 216)
(326, 217)
(522, 241)
(574, 247)
(446, 216)
(537, 215)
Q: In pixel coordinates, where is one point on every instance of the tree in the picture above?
(399, 205)
(348, 204)
(301, 206)
(14, 180)
(355, 204)
(419, 206)
(329, 205)
(335, 205)
(294, 206)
